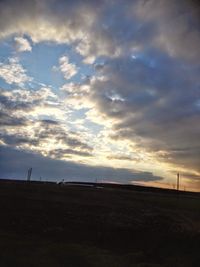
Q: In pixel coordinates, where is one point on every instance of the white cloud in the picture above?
(13, 72)
(22, 44)
(68, 69)
(78, 95)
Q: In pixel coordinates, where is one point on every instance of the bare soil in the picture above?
(45, 224)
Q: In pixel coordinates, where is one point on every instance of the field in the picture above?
(46, 224)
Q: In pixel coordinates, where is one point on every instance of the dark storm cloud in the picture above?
(17, 104)
(154, 99)
(176, 24)
(12, 104)
(188, 157)
(107, 28)
(45, 131)
(60, 153)
(51, 129)
(7, 108)
(7, 120)
(26, 100)
(76, 16)
(14, 164)
(51, 122)
(119, 157)
(16, 139)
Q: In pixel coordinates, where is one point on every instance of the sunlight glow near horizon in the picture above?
(101, 85)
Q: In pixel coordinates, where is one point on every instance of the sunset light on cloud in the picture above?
(106, 90)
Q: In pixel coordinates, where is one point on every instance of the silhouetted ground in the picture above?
(45, 224)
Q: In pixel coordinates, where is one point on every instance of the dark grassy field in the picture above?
(45, 224)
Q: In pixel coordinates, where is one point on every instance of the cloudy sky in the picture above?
(106, 90)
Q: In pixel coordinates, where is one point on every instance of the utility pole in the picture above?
(29, 174)
(178, 181)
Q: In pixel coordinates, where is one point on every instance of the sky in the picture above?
(100, 91)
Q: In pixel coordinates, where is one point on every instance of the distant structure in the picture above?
(62, 182)
(178, 181)
(29, 174)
